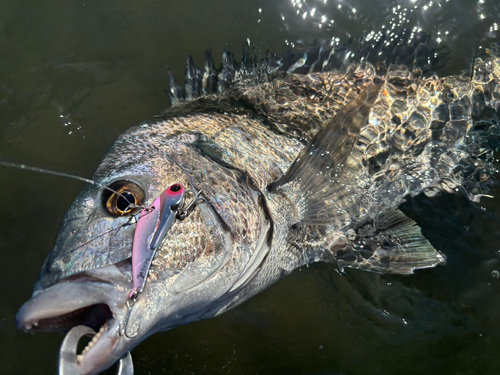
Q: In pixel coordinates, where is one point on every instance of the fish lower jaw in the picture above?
(91, 343)
(98, 317)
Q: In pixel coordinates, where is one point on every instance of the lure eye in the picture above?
(124, 203)
(175, 188)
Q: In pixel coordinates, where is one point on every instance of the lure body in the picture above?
(152, 227)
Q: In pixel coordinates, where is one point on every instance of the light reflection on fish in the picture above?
(293, 169)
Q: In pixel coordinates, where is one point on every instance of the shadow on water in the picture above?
(74, 76)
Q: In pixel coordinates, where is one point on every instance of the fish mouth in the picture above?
(96, 299)
(94, 316)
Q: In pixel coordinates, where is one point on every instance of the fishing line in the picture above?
(96, 237)
(62, 174)
(143, 213)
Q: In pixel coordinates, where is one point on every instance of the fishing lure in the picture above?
(152, 227)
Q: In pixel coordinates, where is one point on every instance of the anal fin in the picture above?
(392, 243)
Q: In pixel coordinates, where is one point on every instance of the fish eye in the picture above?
(124, 198)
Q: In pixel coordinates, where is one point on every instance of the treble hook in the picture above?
(184, 212)
(123, 328)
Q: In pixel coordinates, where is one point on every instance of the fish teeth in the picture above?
(91, 344)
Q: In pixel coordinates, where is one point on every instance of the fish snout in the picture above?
(96, 299)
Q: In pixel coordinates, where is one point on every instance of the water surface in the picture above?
(74, 75)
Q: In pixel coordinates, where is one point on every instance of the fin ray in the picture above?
(324, 186)
(392, 243)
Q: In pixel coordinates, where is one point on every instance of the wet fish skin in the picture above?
(264, 217)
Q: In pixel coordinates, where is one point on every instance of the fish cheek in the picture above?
(193, 251)
(86, 244)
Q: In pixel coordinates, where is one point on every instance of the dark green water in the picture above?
(74, 75)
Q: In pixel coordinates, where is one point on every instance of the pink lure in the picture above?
(152, 227)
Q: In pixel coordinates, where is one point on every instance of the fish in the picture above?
(282, 164)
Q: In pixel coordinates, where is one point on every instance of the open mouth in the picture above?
(94, 316)
(90, 345)
(95, 301)
(98, 317)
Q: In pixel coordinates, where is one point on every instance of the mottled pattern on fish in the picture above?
(414, 118)
(421, 134)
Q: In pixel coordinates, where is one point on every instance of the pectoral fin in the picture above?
(392, 243)
(325, 189)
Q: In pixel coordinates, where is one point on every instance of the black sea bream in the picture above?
(285, 169)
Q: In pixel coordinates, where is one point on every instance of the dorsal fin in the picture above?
(193, 80)
(209, 81)
(175, 92)
(319, 181)
(227, 72)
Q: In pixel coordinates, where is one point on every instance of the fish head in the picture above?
(196, 270)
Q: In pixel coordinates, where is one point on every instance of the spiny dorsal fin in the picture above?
(192, 80)
(392, 243)
(209, 81)
(328, 57)
(227, 72)
(175, 92)
(319, 180)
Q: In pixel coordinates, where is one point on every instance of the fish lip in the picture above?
(54, 302)
(86, 291)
